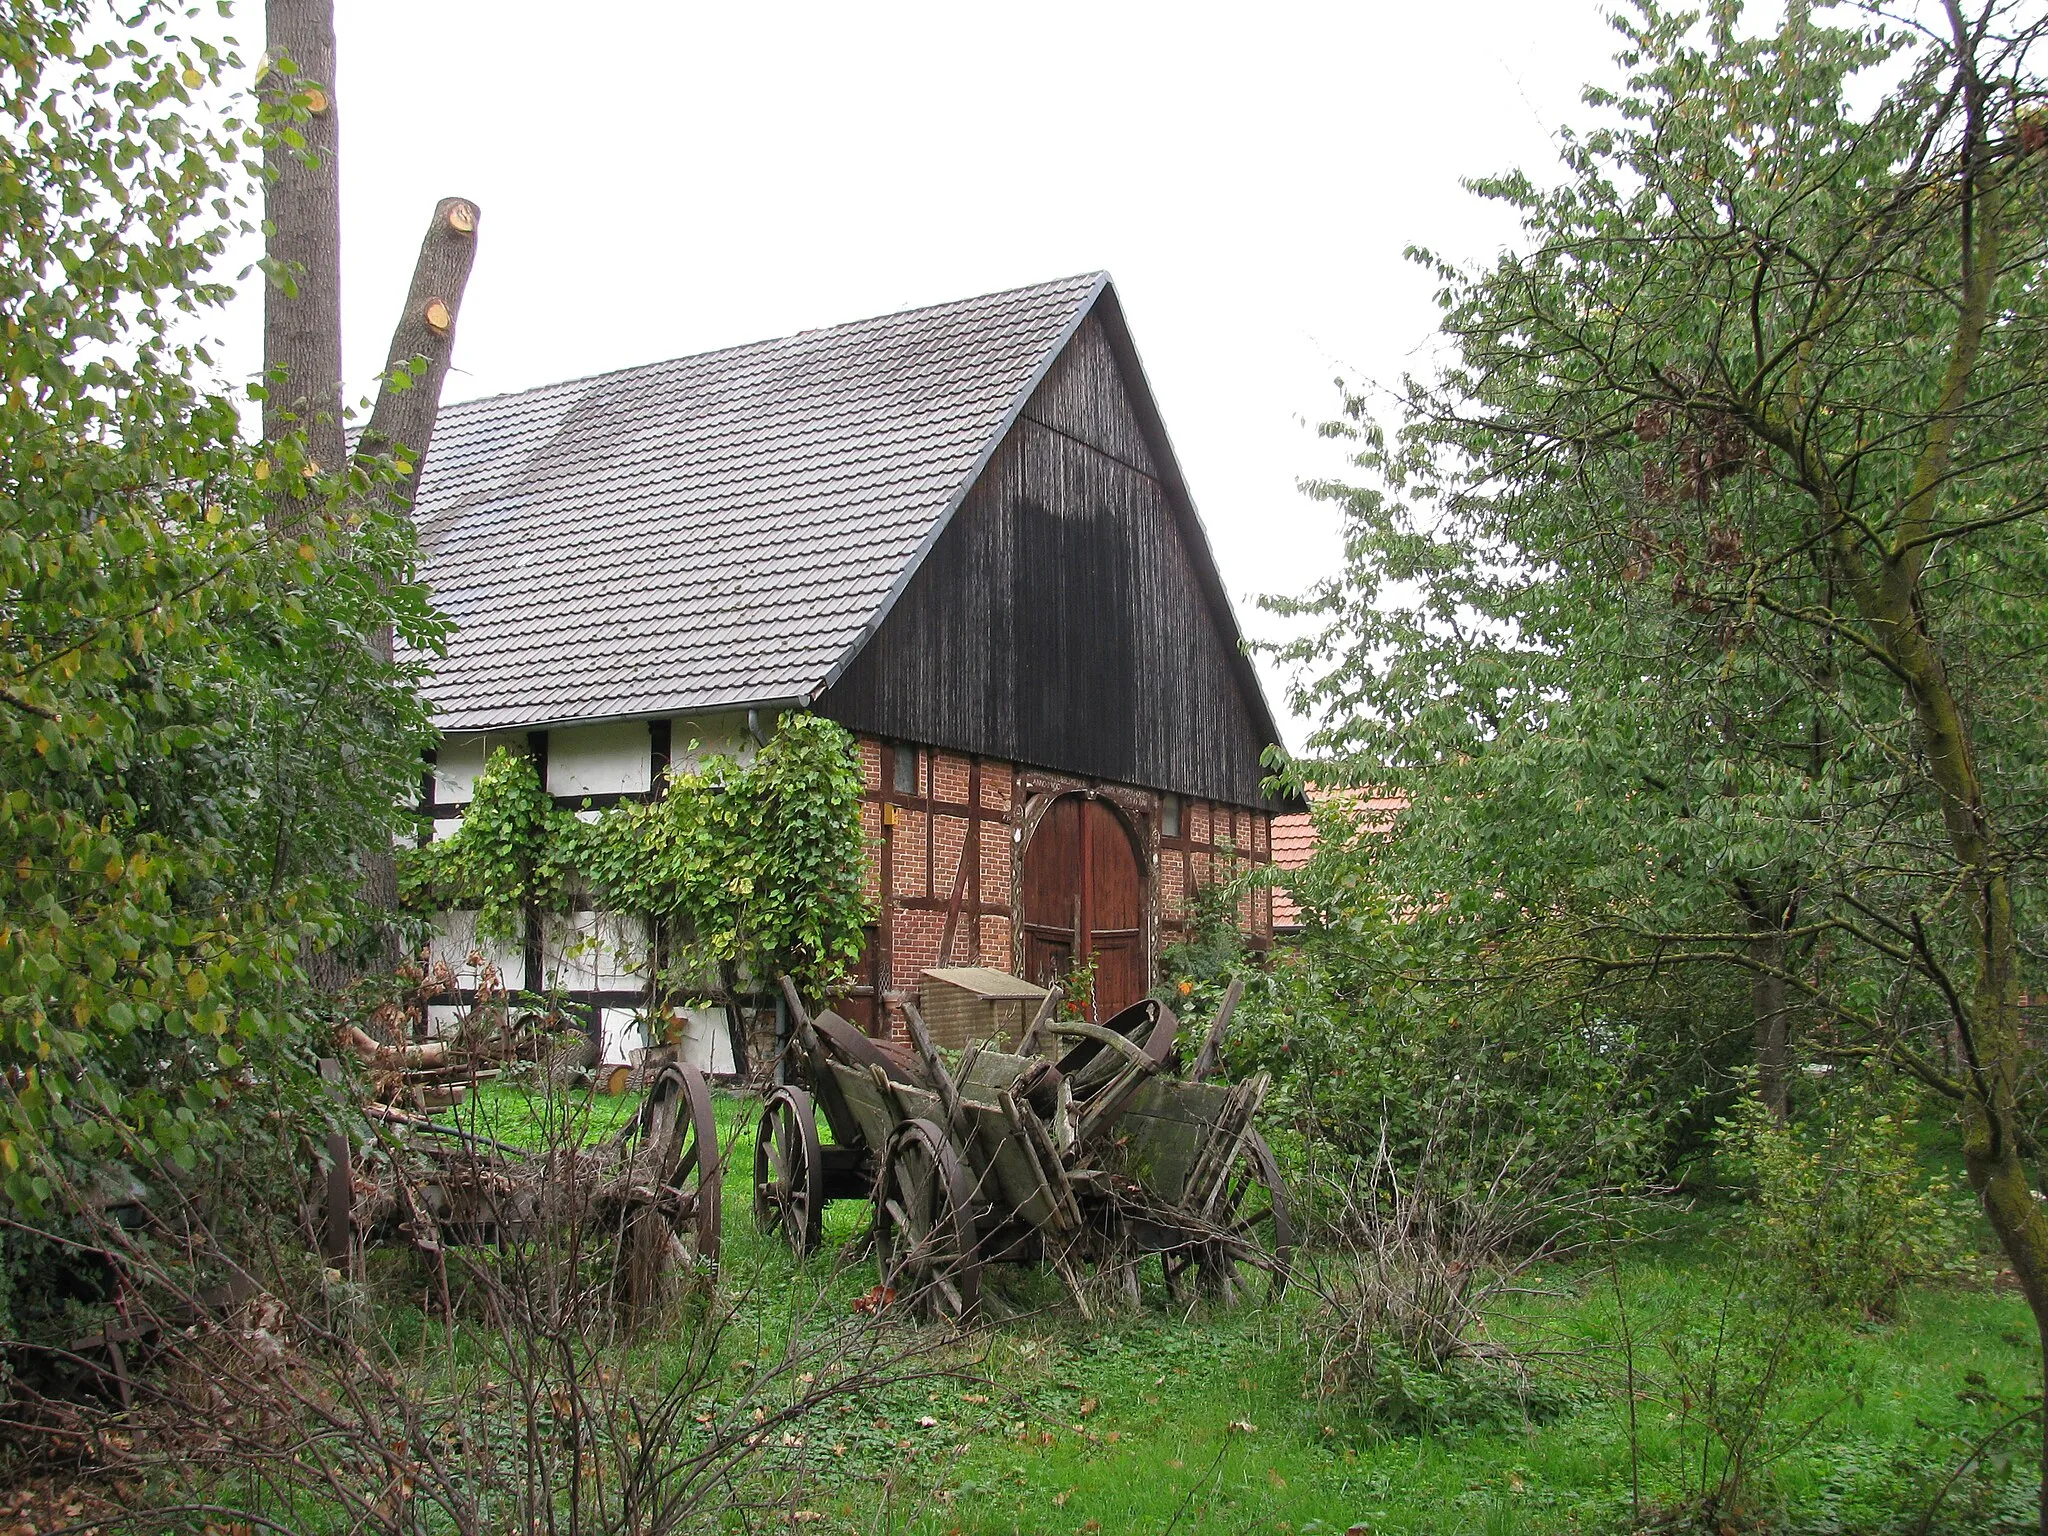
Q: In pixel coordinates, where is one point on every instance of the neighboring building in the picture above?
(961, 532)
(1294, 843)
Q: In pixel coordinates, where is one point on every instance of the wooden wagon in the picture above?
(1089, 1162)
(654, 1189)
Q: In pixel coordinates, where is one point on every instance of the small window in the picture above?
(906, 769)
(1169, 816)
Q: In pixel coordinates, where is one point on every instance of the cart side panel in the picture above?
(1161, 1133)
(993, 1071)
(871, 1113)
(1004, 1166)
(997, 1160)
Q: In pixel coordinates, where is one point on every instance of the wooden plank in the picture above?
(871, 1114)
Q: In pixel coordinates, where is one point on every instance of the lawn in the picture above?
(1206, 1422)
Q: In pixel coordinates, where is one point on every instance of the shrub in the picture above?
(1838, 1201)
(1422, 1244)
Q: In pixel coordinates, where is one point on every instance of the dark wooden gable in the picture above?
(1062, 618)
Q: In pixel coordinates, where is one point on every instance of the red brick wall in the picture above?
(948, 847)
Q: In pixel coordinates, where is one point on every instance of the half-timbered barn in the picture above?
(961, 532)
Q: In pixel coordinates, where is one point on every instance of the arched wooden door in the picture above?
(1084, 895)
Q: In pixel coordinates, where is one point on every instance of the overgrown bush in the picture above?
(1745, 1376)
(1420, 1243)
(1361, 1062)
(458, 1386)
(1839, 1203)
(1195, 972)
(198, 738)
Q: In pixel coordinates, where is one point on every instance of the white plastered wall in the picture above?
(692, 738)
(609, 759)
(706, 1040)
(458, 762)
(454, 940)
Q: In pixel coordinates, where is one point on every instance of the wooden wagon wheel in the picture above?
(925, 1237)
(1255, 1248)
(789, 1171)
(1146, 1024)
(675, 1142)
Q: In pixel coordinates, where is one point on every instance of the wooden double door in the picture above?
(1084, 898)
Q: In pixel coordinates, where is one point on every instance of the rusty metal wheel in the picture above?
(789, 1171)
(925, 1239)
(1250, 1257)
(675, 1139)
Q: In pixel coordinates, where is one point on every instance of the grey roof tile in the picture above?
(717, 530)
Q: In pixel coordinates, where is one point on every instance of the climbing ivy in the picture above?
(754, 868)
(511, 852)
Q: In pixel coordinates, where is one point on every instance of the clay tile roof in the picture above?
(718, 530)
(1294, 841)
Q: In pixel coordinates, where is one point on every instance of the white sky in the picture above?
(659, 177)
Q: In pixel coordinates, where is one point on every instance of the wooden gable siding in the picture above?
(1059, 620)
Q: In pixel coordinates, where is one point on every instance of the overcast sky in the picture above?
(659, 177)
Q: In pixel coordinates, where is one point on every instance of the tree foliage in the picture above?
(189, 719)
(1695, 602)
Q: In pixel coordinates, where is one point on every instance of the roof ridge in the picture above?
(1082, 279)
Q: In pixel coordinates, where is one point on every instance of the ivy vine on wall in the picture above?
(751, 869)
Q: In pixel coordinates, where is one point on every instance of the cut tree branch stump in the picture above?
(402, 423)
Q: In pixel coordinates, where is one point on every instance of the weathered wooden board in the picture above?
(875, 1117)
(1161, 1132)
(1065, 617)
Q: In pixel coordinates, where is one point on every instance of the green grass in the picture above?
(1205, 1423)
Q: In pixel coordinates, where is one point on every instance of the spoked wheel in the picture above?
(1255, 1248)
(925, 1238)
(789, 1171)
(675, 1139)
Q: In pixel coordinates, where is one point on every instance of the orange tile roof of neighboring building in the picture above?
(1294, 841)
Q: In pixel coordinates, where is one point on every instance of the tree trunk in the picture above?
(1767, 1007)
(1988, 1020)
(403, 422)
(302, 205)
(402, 426)
(302, 336)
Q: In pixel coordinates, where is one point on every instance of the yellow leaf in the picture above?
(213, 513)
(113, 869)
(260, 469)
(305, 552)
(9, 1156)
(193, 79)
(195, 985)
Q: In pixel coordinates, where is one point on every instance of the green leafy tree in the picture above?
(1696, 601)
(191, 724)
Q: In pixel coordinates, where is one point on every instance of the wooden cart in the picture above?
(1085, 1163)
(654, 1189)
